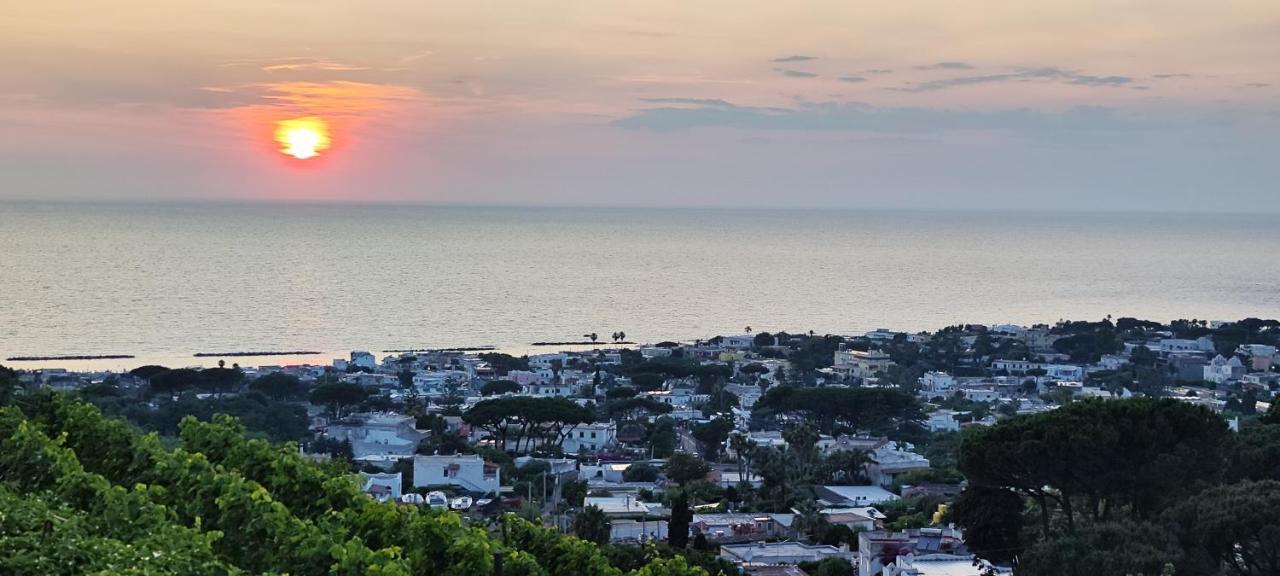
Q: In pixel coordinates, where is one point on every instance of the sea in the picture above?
(164, 281)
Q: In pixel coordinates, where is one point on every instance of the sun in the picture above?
(302, 138)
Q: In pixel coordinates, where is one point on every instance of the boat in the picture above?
(481, 503)
(437, 500)
(461, 503)
(412, 498)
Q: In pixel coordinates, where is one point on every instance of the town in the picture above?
(877, 454)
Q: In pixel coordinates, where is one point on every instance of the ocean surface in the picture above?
(164, 281)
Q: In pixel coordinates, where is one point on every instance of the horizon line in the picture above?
(374, 202)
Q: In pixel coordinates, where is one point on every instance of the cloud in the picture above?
(1020, 75)
(947, 66)
(1257, 85)
(860, 117)
(796, 73)
(852, 79)
(795, 58)
(311, 64)
(880, 71)
(690, 101)
(1169, 76)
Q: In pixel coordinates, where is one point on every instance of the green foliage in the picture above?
(640, 472)
(592, 525)
(1257, 453)
(833, 567)
(504, 363)
(877, 411)
(676, 566)
(40, 536)
(712, 436)
(992, 520)
(1094, 457)
(278, 421)
(535, 422)
(84, 494)
(1087, 342)
(499, 387)
(631, 408)
(681, 517)
(338, 396)
(1236, 526)
(277, 386)
(1109, 548)
(683, 468)
(661, 437)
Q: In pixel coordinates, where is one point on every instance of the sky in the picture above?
(1004, 104)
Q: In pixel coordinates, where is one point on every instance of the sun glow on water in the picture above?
(302, 138)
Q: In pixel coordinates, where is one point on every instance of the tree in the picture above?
(220, 380)
(640, 472)
(754, 369)
(763, 339)
(147, 372)
(1107, 548)
(681, 516)
(992, 522)
(338, 396)
(499, 387)
(744, 451)
(648, 381)
(834, 567)
(712, 436)
(277, 385)
(535, 422)
(833, 410)
(574, 492)
(1236, 525)
(174, 382)
(677, 566)
(684, 468)
(505, 363)
(1096, 459)
(592, 525)
(662, 437)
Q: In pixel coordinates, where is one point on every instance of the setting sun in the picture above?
(302, 138)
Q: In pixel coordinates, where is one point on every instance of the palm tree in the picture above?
(744, 448)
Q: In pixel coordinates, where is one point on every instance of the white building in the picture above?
(943, 421)
(626, 506)
(625, 530)
(592, 437)
(468, 472)
(781, 553)
(1112, 361)
(1220, 369)
(363, 359)
(937, 383)
(1201, 344)
(380, 439)
(859, 364)
(383, 487)
(981, 394)
(846, 496)
(888, 462)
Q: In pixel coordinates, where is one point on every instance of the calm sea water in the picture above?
(165, 281)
